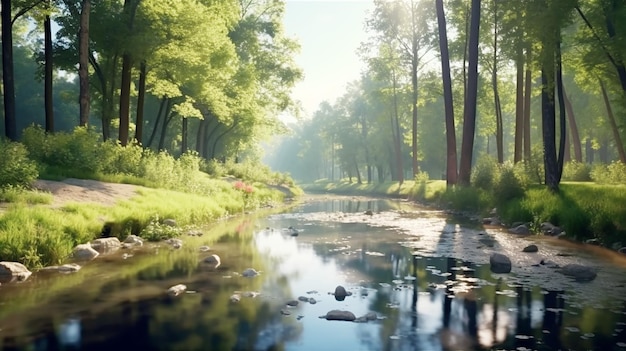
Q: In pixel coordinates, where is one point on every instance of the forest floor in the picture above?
(85, 191)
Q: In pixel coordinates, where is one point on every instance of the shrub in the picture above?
(484, 173)
(613, 173)
(576, 171)
(156, 231)
(507, 185)
(16, 169)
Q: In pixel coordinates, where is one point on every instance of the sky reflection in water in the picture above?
(424, 275)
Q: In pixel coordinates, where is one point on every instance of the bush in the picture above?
(576, 171)
(484, 173)
(156, 231)
(613, 173)
(507, 185)
(16, 169)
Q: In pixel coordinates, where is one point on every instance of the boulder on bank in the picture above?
(337, 315)
(106, 245)
(521, 229)
(579, 272)
(175, 243)
(548, 228)
(213, 259)
(13, 271)
(170, 222)
(84, 252)
(176, 290)
(500, 263)
(133, 240)
(250, 272)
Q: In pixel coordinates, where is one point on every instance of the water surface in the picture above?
(425, 275)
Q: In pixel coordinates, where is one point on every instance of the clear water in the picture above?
(425, 276)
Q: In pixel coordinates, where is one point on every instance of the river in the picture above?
(423, 277)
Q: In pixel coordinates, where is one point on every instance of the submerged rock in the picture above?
(548, 228)
(84, 252)
(341, 293)
(500, 263)
(213, 259)
(66, 268)
(338, 315)
(521, 229)
(175, 243)
(579, 272)
(133, 240)
(250, 272)
(13, 271)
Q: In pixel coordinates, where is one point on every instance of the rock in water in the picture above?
(250, 272)
(10, 271)
(176, 290)
(340, 293)
(500, 263)
(106, 245)
(84, 252)
(579, 272)
(337, 315)
(531, 248)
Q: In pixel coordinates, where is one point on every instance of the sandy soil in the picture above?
(85, 191)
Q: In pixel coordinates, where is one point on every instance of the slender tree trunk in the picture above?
(8, 82)
(398, 139)
(574, 136)
(567, 157)
(183, 146)
(562, 114)
(169, 115)
(83, 64)
(451, 157)
(549, 125)
(519, 106)
(496, 94)
(415, 166)
(199, 136)
(219, 137)
(469, 118)
(141, 98)
(125, 99)
(164, 106)
(616, 136)
(527, 95)
(209, 152)
(48, 74)
(358, 172)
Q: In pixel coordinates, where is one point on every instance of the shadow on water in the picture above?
(425, 276)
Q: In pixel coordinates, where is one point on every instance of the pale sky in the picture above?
(329, 33)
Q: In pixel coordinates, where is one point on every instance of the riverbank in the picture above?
(587, 212)
(41, 226)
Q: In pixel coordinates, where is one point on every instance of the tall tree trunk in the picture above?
(83, 64)
(209, 137)
(8, 82)
(519, 104)
(141, 98)
(527, 95)
(48, 74)
(451, 159)
(200, 136)
(496, 94)
(589, 150)
(219, 137)
(469, 117)
(125, 99)
(414, 62)
(358, 172)
(164, 106)
(562, 117)
(169, 115)
(616, 136)
(549, 124)
(574, 136)
(183, 144)
(398, 135)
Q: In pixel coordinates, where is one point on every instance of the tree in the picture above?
(451, 169)
(469, 117)
(8, 83)
(83, 62)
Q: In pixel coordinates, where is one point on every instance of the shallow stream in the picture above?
(424, 276)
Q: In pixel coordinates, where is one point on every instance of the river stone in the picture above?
(531, 248)
(106, 245)
(292, 303)
(249, 272)
(337, 315)
(500, 263)
(204, 248)
(176, 290)
(133, 240)
(66, 268)
(521, 229)
(548, 228)
(175, 243)
(84, 252)
(213, 259)
(579, 272)
(341, 293)
(235, 298)
(303, 298)
(10, 271)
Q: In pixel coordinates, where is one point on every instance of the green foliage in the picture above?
(247, 171)
(508, 185)
(157, 231)
(613, 173)
(19, 194)
(466, 198)
(576, 171)
(16, 169)
(419, 189)
(484, 173)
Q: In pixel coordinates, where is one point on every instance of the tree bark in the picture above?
(527, 95)
(496, 94)
(519, 105)
(616, 136)
(141, 98)
(549, 126)
(414, 62)
(83, 64)
(574, 136)
(451, 157)
(8, 80)
(469, 118)
(398, 135)
(48, 74)
(125, 99)
(183, 144)
(562, 117)
(162, 107)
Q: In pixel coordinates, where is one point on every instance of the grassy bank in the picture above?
(584, 210)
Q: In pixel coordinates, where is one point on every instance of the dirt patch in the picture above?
(85, 191)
